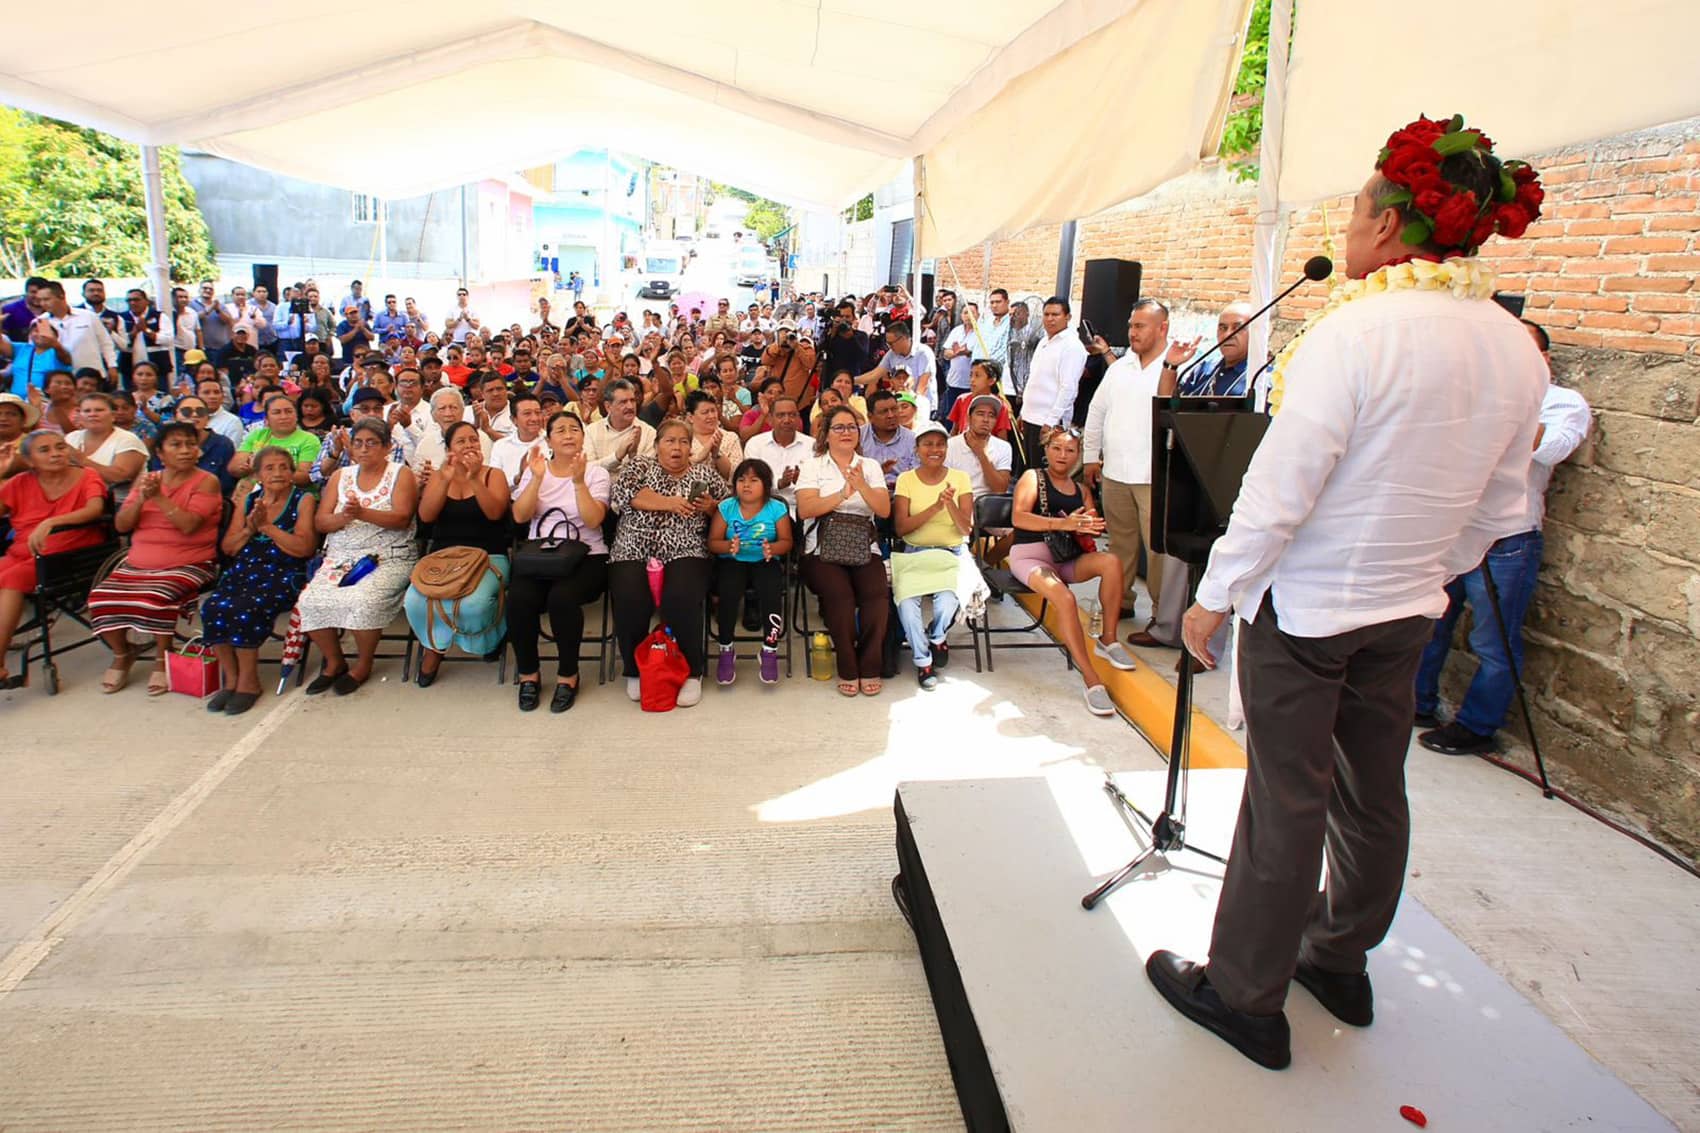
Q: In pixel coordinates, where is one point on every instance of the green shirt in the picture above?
(300, 444)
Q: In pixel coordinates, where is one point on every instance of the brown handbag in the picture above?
(450, 575)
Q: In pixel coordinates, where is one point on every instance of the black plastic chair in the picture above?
(64, 580)
(995, 512)
(606, 655)
(791, 572)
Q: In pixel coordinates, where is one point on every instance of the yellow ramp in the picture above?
(1148, 700)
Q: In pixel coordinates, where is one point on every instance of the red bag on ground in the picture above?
(662, 671)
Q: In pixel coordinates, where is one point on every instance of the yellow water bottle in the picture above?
(820, 657)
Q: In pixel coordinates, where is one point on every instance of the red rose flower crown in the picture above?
(1453, 188)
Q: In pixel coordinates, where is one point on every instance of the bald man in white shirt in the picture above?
(1400, 453)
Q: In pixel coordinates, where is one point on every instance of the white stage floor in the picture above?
(1078, 1040)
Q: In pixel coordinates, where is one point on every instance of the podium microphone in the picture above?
(1317, 268)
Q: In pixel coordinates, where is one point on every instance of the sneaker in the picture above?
(1098, 701)
(1455, 739)
(726, 670)
(689, 693)
(634, 689)
(941, 655)
(769, 665)
(1116, 654)
(927, 679)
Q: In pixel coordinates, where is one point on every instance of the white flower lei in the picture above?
(1466, 277)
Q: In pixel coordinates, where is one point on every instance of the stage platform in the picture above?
(1050, 1023)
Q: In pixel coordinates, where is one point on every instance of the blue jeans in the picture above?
(1515, 563)
(921, 637)
(947, 398)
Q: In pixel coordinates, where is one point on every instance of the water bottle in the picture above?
(1094, 619)
(820, 656)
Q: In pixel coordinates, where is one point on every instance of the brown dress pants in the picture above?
(1328, 722)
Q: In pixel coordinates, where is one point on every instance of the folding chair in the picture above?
(605, 656)
(992, 512)
(63, 582)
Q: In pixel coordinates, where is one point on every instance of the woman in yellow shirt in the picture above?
(933, 513)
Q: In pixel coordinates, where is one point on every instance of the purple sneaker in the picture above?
(769, 665)
(727, 671)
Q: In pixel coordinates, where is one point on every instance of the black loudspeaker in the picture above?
(265, 275)
(1110, 289)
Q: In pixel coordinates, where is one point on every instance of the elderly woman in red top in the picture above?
(172, 516)
(52, 493)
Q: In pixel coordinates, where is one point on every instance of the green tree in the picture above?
(1244, 128)
(765, 218)
(71, 203)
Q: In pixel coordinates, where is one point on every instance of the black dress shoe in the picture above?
(345, 683)
(424, 679)
(530, 692)
(1455, 739)
(1347, 997)
(321, 682)
(240, 702)
(1425, 720)
(217, 701)
(1264, 1039)
(564, 697)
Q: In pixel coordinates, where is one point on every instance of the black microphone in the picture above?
(1317, 268)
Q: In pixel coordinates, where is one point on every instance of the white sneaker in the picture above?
(1098, 701)
(633, 688)
(1116, 654)
(689, 693)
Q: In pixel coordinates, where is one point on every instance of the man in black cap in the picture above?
(334, 452)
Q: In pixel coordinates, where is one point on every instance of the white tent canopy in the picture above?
(1021, 114)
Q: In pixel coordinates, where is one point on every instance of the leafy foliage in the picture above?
(1244, 128)
(765, 218)
(71, 203)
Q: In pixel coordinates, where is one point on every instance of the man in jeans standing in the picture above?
(1514, 562)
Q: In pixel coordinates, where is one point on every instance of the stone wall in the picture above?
(1613, 666)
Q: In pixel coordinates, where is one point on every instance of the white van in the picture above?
(662, 270)
(752, 265)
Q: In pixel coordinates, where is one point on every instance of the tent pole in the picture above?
(915, 254)
(463, 276)
(159, 243)
(1271, 214)
(383, 243)
(1266, 249)
(1065, 258)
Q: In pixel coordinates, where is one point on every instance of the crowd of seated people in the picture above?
(258, 476)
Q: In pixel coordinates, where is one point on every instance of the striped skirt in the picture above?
(146, 600)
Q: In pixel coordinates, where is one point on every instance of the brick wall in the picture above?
(1613, 638)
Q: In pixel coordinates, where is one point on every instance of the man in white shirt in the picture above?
(490, 411)
(1514, 562)
(986, 458)
(509, 453)
(1053, 378)
(783, 448)
(220, 420)
(958, 352)
(612, 440)
(910, 365)
(1399, 454)
(1117, 455)
(81, 332)
(460, 321)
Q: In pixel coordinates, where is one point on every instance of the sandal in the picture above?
(158, 683)
(118, 675)
(871, 688)
(9, 681)
(847, 688)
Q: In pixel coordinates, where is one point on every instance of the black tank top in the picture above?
(1061, 504)
(462, 523)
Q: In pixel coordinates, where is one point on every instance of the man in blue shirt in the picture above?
(390, 324)
(885, 440)
(356, 297)
(266, 324)
(1224, 374)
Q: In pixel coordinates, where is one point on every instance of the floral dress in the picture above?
(375, 600)
(262, 583)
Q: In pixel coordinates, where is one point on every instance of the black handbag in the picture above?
(844, 538)
(552, 555)
(1064, 546)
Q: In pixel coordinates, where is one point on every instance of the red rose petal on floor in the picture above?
(1414, 1115)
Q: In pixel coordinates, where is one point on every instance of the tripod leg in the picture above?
(1516, 675)
(1091, 899)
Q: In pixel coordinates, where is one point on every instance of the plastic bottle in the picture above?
(820, 657)
(1094, 619)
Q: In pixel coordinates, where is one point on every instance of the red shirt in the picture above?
(27, 505)
(959, 417)
(457, 374)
